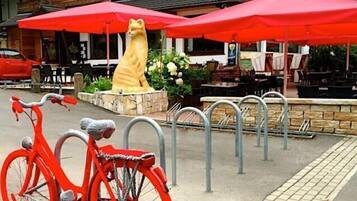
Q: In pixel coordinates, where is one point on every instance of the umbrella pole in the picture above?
(108, 47)
(285, 86)
(348, 58)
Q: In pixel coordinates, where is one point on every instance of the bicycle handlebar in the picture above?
(56, 98)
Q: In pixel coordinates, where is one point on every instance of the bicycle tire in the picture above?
(160, 188)
(40, 172)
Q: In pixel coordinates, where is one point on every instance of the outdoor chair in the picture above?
(47, 74)
(58, 75)
(308, 91)
(302, 77)
(340, 92)
(272, 83)
(74, 68)
(87, 71)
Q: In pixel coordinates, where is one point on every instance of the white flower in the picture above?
(182, 54)
(171, 67)
(173, 73)
(159, 64)
(179, 74)
(152, 68)
(179, 81)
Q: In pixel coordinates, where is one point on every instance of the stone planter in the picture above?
(128, 104)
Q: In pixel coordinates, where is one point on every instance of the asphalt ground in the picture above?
(260, 177)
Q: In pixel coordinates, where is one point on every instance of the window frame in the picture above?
(203, 53)
(91, 52)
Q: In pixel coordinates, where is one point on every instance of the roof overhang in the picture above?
(13, 21)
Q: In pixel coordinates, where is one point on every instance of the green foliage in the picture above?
(90, 89)
(198, 74)
(330, 58)
(102, 84)
(169, 71)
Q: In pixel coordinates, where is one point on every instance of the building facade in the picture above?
(59, 47)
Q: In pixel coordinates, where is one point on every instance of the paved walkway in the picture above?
(324, 178)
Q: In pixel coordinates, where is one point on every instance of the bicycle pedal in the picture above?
(67, 195)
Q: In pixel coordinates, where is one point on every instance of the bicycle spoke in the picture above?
(117, 180)
(131, 180)
(37, 189)
(41, 195)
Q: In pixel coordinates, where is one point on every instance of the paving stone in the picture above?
(323, 178)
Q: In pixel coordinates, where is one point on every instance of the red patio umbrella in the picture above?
(99, 18)
(273, 20)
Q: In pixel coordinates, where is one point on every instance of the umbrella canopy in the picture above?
(105, 17)
(284, 20)
(272, 19)
(94, 18)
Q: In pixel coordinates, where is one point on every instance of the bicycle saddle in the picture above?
(98, 128)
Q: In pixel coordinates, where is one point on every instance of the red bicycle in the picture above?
(33, 172)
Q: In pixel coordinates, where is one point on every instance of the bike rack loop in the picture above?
(238, 130)
(208, 141)
(159, 132)
(68, 134)
(260, 103)
(286, 111)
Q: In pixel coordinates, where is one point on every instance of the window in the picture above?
(293, 48)
(200, 46)
(98, 48)
(154, 39)
(249, 47)
(13, 55)
(50, 51)
(272, 46)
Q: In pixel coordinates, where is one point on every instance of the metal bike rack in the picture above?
(159, 132)
(238, 129)
(172, 111)
(208, 142)
(59, 144)
(283, 116)
(245, 111)
(304, 127)
(68, 134)
(224, 121)
(261, 103)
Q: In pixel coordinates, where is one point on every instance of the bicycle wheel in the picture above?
(13, 173)
(142, 184)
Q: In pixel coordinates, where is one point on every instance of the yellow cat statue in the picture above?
(129, 75)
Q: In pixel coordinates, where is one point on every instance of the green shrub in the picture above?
(169, 71)
(102, 84)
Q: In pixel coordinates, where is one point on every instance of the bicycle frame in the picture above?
(42, 150)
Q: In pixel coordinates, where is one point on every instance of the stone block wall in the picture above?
(335, 116)
(129, 104)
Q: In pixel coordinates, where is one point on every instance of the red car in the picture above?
(14, 66)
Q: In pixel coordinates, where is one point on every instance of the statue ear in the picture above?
(140, 21)
(131, 21)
